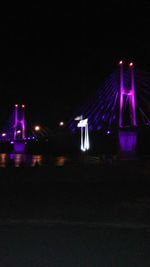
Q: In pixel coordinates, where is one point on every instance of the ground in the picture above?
(76, 215)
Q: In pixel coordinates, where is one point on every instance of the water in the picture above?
(18, 160)
(23, 159)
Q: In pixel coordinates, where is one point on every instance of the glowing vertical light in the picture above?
(23, 122)
(121, 93)
(16, 121)
(133, 94)
(83, 124)
(87, 145)
(130, 96)
(19, 122)
(81, 146)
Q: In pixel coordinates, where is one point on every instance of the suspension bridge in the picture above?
(15, 128)
(15, 132)
(122, 102)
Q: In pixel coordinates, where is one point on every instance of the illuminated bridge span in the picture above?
(123, 100)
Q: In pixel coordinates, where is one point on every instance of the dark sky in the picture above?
(53, 57)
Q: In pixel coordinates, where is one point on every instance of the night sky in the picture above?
(54, 56)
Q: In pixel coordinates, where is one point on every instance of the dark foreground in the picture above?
(76, 215)
(58, 244)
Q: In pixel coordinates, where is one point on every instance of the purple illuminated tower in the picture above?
(19, 126)
(127, 95)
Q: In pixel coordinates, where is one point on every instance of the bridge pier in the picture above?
(19, 146)
(127, 144)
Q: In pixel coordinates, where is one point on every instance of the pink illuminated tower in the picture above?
(19, 126)
(127, 94)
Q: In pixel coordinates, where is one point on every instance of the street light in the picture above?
(37, 128)
(61, 123)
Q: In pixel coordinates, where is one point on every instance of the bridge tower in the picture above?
(128, 136)
(19, 125)
(127, 95)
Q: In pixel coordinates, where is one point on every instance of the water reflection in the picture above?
(36, 160)
(17, 159)
(60, 161)
(20, 160)
(3, 160)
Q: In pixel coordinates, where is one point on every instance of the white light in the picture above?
(61, 123)
(3, 134)
(131, 64)
(82, 123)
(19, 131)
(37, 128)
(78, 118)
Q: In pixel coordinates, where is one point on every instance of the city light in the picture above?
(3, 134)
(61, 123)
(131, 64)
(23, 106)
(120, 62)
(19, 131)
(16, 105)
(37, 128)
